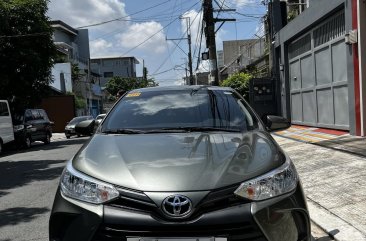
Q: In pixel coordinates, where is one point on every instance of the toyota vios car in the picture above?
(180, 163)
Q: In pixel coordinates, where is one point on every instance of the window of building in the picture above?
(108, 74)
(300, 46)
(331, 29)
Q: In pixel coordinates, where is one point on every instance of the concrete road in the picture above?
(28, 181)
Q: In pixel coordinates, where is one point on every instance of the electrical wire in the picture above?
(178, 42)
(150, 37)
(124, 17)
(119, 30)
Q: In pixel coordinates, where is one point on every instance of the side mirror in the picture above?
(85, 128)
(277, 123)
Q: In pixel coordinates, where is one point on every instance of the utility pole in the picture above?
(189, 51)
(210, 36)
(144, 70)
(188, 20)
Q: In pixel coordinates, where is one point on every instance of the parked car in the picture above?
(191, 162)
(6, 125)
(32, 125)
(70, 127)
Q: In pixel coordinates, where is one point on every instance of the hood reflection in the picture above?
(178, 162)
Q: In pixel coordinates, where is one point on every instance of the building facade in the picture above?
(319, 60)
(73, 47)
(239, 54)
(108, 67)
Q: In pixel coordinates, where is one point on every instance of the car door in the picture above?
(6, 124)
(31, 123)
(44, 124)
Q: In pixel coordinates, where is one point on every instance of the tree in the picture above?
(239, 82)
(26, 51)
(123, 83)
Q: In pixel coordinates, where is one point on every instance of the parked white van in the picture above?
(6, 124)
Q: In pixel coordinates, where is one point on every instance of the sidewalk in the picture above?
(332, 167)
(58, 136)
(334, 139)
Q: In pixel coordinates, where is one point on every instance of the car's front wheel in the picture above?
(1, 147)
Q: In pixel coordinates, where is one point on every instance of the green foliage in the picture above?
(239, 82)
(26, 51)
(76, 75)
(122, 83)
(80, 102)
(292, 14)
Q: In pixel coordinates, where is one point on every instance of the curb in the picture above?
(333, 225)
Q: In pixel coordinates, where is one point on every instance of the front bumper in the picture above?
(283, 218)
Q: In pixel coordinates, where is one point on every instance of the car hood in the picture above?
(179, 161)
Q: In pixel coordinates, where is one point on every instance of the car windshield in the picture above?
(185, 110)
(78, 119)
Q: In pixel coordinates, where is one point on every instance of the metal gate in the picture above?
(318, 76)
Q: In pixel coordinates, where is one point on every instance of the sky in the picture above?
(143, 27)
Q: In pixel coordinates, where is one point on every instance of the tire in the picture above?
(67, 137)
(47, 140)
(1, 147)
(27, 142)
(78, 135)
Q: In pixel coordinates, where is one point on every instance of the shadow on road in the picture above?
(18, 173)
(13, 216)
(37, 146)
(348, 144)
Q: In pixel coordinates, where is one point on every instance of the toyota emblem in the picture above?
(177, 206)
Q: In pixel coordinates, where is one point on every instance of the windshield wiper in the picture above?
(196, 129)
(123, 131)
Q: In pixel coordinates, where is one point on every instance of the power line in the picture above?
(178, 42)
(151, 36)
(120, 18)
(121, 30)
(165, 71)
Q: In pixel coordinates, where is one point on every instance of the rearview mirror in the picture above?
(277, 123)
(85, 128)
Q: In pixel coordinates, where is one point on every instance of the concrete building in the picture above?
(73, 46)
(108, 67)
(320, 61)
(202, 78)
(238, 54)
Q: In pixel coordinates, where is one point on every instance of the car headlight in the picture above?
(18, 128)
(84, 188)
(277, 182)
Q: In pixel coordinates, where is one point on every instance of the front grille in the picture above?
(219, 199)
(244, 232)
(216, 200)
(133, 200)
